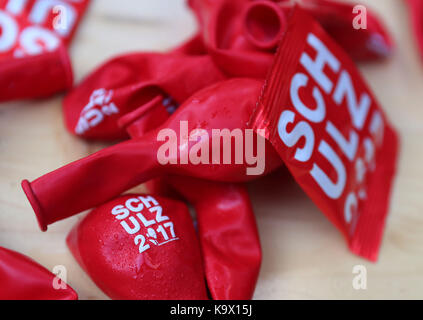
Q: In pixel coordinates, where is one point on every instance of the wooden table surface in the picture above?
(303, 255)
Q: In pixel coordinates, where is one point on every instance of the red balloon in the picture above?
(91, 181)
(129, 82)
(22, 278)
(141, 247)
(34, 61)
(242, 35)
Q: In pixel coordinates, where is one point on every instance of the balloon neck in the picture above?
(264, 24)
(145, 118)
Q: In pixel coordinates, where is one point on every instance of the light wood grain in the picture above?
(304, 256)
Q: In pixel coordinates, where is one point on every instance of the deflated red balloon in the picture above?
(23, 279)
(52, 70)
(131, 81)
(34, 61)
(331, 132)
(104, 175)
(141, 247)
(221, 25)
(242, 35)
(228, 235)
